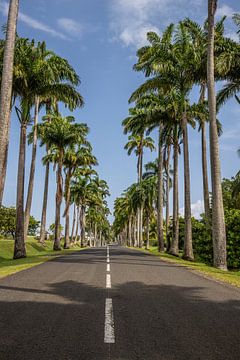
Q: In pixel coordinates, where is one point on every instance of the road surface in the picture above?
(119, 304)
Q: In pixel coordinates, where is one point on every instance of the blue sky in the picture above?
(100, 38)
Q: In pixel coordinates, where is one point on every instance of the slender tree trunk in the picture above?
(19, 245)
(167, 197)
(130, 230)
(174, 249)
(188, 250)
(83, 225)
(218, 221)
(6, 90)
(160, 193)
(74, 222)
(67, 207)
(32, 169)
(44, 207)
(135, 231)
(204, 161)
(59, 196)
(95, 234)
(147, 232)
(76, 234)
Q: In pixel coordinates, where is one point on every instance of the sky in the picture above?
(100, 38)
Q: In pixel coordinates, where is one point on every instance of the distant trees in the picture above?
(8, 222)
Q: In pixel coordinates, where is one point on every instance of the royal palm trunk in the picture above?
(59, 196)
(32, 170)
(19, 245)
(160, 193)
(74, 222)
(204, 161)
(147, 231)
(167, 196)
(77, 226)
(6, 90)
(174, 249)
(188, 250)
(83, 225)
(218, 221)
(44, 207)
(66, 212)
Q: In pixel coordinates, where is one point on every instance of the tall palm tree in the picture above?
(137, 142)
(218, 221)
(75, 160)
(49, 86)
(6, 89)
(59, 134)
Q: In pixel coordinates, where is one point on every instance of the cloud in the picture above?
(197, 209)
(130, 20)
(33, 23)
(70, 26)
(225, 10)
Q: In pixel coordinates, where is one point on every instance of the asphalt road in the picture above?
(137, 307)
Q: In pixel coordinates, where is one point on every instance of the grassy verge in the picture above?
(230, 277)
(36, 254)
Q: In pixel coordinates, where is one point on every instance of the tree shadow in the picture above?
(65, 320)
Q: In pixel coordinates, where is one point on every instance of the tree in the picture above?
(58, 134)
(218, 222)
(6, 89)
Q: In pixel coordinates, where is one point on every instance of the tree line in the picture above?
(186, 55)
(34, 79)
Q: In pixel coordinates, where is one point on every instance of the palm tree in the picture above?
(49, 86)
(75, 160)
(218, 221)
(59, 134)
(6, 89)
(137, 142)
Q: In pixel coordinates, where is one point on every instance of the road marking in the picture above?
(108, 261)
(108, 281)
(109, 336)
(108, 267)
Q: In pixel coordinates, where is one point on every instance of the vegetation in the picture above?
(186, 55)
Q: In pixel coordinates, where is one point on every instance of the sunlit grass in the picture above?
(230, 277)
(36, 254)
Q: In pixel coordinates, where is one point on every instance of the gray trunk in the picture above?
(6, 90)
(74, 222)
(19, 245)
(32, 170)
(167, 196)
(174, 249)
(188, 250)
(44, 207)
(218, 221)
(160, 194)
(59, 196)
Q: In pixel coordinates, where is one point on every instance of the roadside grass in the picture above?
(231, 277)
(36, 254)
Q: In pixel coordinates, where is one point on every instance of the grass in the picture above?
(36, 254)
(229, 277)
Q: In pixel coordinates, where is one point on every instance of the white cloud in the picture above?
(197, 209)
(70, 26)
(132, 19)
(33, 23)
(225, 10)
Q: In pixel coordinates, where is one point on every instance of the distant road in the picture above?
(118, 304)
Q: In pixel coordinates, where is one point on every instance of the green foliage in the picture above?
(52, 228)
(8, 222)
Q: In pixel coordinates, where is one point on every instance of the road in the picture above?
(128, 305)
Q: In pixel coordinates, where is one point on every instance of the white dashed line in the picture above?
(109, 336)
(108, 281)
(108, 267)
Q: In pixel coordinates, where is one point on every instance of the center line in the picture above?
(108, 261)
(108, 267)
(108, 281)
(109, 336)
